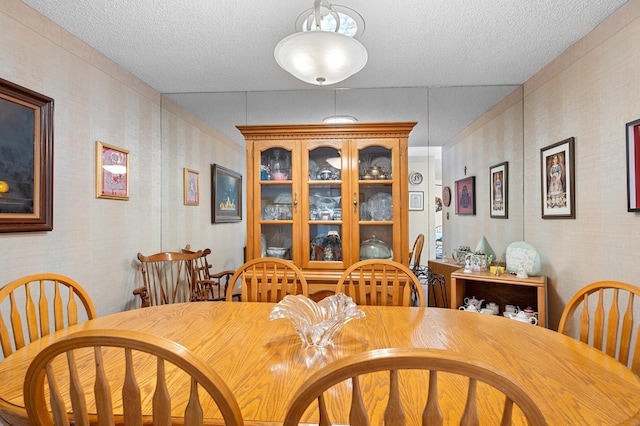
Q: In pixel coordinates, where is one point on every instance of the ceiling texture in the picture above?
(481, 50)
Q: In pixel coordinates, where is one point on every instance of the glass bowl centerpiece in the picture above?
(317, 323)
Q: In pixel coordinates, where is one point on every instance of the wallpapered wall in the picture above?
(95, 241)
(589, 92)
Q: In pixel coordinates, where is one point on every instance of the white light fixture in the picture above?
(340, 119)
(321, 56)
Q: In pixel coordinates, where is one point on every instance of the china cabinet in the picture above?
(316, 192)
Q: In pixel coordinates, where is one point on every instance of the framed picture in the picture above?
(633, 166)
(416, 200)
(226, 197)
(499, 190)
(112, 172)
(26, 162)
(466, 196)
(557, 163)
(191, 187)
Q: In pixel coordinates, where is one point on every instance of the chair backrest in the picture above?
(166, 277)
(359, 370)
(268, 279)
(602, 323)
(380, 282)
(38, 305)
(179, 375)
(207, 285)
(416, 252)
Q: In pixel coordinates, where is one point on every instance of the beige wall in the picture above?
(95, 241)
(589, 92)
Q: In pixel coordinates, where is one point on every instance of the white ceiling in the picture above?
(479, 49)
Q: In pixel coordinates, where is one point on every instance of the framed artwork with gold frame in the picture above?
(112, 172)
(191, 187)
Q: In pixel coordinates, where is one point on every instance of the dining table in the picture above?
(264, 362)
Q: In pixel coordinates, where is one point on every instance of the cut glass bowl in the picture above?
(317, 323)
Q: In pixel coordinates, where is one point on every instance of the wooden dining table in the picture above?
(264, 362)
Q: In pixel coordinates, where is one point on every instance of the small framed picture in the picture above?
(112, 172)
(466, 196)
(226, 199)
(633, 166)
(191, 187)
(557, 170)
(416, 200)
(499, 190)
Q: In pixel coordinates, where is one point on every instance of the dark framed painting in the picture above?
(466, 196)
(226, 197)
(558, 186)
(26, 163)
(633, 166)
(499, 190)
(112, 172)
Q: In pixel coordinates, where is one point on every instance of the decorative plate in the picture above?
(313, 170)
(384, 163)
(446, 196)
(380, 206)
(523, 254)
(415, 178)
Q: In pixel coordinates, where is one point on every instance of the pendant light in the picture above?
(319, 56)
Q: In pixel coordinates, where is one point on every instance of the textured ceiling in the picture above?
(197, 46)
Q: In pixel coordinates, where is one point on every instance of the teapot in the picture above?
(473, 301)
(523, 317)
(470, 308)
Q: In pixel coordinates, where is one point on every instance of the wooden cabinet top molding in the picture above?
(327, 131)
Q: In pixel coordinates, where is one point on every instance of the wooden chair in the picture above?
(268, 279)
(175, 369)
(38, 305)
(166, 278)
(358, 368)
(381, 282)
(603, 327)
(207, 285)
(416, 253)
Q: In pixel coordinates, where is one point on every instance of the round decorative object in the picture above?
(446, 196)
(415, 178)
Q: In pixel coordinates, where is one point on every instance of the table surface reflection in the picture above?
(264, 362)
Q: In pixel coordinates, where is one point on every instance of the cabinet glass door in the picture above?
(378, 198)
(322, 213)
(277, 202)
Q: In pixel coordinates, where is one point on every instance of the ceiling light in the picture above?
(340, 119)
(321, 56)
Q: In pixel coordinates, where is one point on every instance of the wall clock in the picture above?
(446, 196)
(415, 178)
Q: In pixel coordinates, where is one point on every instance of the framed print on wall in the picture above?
(633, 166)
(191, 187)
(112, 172)
(557, 164)
(416, 200)
(466, 196)
(26, 159)
(226, 197)
(499, 190)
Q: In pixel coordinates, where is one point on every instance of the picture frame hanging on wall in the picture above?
(633, 166)
(466, 196)
(558, 180)
(499, 190)
(226, 197)
(112, 172)
(26, 163)
(416, 200)
(191, 191)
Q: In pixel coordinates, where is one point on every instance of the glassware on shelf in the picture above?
(317, 323)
